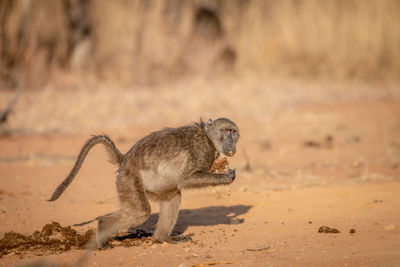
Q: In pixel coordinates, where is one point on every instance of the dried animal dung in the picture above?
(328, 230)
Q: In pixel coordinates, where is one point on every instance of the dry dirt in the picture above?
(334, 164)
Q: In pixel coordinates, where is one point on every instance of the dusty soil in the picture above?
(52, 237)
(333, 164)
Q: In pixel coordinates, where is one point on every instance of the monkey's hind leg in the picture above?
(169, 210)
(135, 207)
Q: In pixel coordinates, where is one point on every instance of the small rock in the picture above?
(352, 231)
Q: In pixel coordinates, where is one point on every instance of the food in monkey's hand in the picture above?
(219, 165)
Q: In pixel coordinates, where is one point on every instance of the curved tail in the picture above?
(115, 157)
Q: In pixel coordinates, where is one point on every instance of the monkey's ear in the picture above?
(209, 123)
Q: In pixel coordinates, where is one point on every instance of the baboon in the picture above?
(158, 167)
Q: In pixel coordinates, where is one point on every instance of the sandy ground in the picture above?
(335, 164)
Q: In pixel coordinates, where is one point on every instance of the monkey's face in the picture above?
(224, 134)
(228, 140)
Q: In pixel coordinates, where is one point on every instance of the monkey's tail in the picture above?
(115, 157)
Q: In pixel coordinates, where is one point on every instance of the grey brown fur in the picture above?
(158, 167)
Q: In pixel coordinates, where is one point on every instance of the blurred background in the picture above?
(313, 85)
(89, 64)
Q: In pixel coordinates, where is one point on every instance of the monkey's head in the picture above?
(224, 134)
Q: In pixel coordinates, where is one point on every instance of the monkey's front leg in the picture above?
(204, 179)
(168, 215)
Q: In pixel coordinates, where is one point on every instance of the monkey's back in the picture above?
(169, 155)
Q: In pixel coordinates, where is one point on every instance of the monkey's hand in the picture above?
(204, 179)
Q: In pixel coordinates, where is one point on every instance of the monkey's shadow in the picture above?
(207, 216)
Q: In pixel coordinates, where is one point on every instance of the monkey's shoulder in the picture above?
(173, 137)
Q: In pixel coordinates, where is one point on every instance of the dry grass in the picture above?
(335, 39)
(343, 39)
(157, 41)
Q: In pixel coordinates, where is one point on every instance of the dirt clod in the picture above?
(352, 231)
(219, 165)
(328, 230)
(53, 237)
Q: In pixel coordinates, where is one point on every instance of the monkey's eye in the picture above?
(225, 130)
(233, 131)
